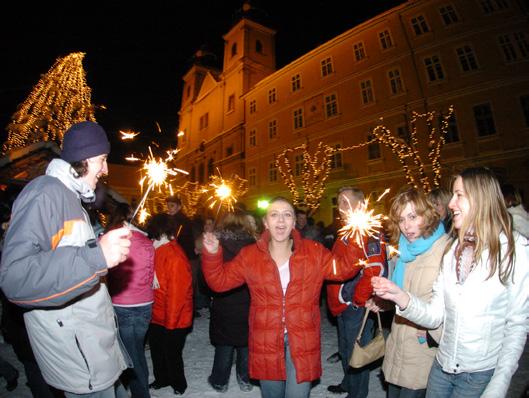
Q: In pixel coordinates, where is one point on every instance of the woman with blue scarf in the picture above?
(410, 351)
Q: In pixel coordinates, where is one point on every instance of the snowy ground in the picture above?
(198, 358)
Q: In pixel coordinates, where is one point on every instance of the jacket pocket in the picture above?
(78, 344)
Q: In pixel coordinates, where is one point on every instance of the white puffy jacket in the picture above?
(485, 322)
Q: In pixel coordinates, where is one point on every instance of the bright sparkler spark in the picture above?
(157, 172)
(142, 217)
(383, 194)
(132, 158)
(360, 222)
(225, 193)
(393, 251)
(128, 135)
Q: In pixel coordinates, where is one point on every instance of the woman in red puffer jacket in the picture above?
(284, 274)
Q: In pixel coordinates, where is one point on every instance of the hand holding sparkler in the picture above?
(210, 242)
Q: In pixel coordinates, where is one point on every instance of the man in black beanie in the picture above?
(52, 264)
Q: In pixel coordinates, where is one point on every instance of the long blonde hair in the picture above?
(488, 218)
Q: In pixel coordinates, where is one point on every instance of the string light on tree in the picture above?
(59, 99)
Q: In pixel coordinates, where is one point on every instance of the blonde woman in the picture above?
(481, 295)
(414, 224)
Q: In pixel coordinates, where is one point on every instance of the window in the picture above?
(298, 165)
(231, 103)
(434, 70)
(336, 158)
(204, 121)
(366, 90)
(385, 40)
(272, 97)
(359, 51)
(298, 118)
(484, 120)
(188, 92)
(331, 105)
(193, 174)
(491, 6)
(524, 101)
(211, 167)
(258, 47)
(234, 49)
(326, 67)
(229, 151)
(272, 129)
(395, 82)
(419, 25)
(452, 134)
(467, 58)
(514, 47)
(509, 53)
(448, 14)
(296, 82)
(252, 177)
(252, 138)
(373, 149)
(404, 134)
(253, 106)
(272, 172)
(201, 171)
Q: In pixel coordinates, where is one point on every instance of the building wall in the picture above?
(495, 80)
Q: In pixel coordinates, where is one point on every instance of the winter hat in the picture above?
(84, 140)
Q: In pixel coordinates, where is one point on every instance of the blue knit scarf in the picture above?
(410, 250)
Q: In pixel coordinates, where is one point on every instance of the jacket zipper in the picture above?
(86, 363)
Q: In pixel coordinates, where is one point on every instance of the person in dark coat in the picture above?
(228, 328)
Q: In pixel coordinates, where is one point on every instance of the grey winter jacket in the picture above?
(52, 264)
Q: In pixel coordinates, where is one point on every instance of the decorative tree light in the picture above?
(59, 99)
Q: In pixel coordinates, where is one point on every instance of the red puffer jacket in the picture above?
(372, 264)
(173, 300)
(310, 264)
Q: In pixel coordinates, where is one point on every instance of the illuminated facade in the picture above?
(420, 56)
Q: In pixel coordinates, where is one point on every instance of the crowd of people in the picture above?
(79, 303)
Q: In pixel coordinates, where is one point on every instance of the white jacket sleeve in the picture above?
(516, 325)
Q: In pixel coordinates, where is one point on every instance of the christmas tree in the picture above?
(60, 99)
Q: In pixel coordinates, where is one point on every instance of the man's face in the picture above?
(172, 208)
(301, 220)
(346, 202)
(97, 167)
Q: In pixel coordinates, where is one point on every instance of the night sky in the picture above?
(136, 55)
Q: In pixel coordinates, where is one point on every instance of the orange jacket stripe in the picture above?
(65, 230)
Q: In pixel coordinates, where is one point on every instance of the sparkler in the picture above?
(225, 193)
(128, 135)
(360, 222)
(157, 172)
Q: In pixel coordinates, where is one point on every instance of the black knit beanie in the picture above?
(84, 140)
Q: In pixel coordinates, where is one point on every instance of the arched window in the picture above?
(258, 46)
(234, 49)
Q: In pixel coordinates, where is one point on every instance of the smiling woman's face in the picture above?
(280, 220)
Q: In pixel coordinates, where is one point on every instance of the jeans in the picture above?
(355, 381)
(461, 385)
(115, 391)
(133, 325)
(288, 388)
(220, 374)
(395, 391)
